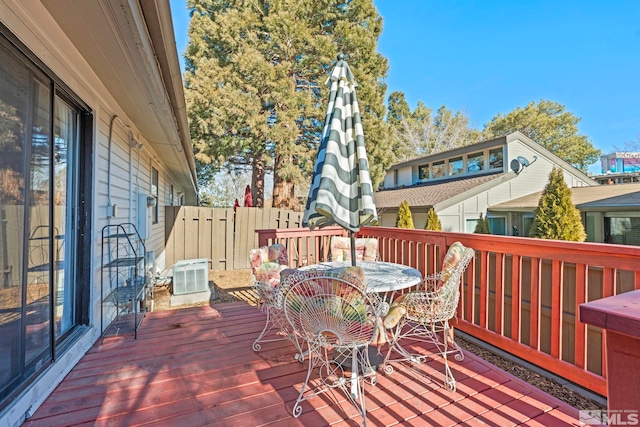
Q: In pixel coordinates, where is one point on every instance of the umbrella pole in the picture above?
(353, 248)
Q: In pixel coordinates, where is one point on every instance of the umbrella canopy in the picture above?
(341, 191)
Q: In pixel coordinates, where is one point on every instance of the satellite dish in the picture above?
(515, 165)
(523, 161)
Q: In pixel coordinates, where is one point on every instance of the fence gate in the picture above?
(219, 235)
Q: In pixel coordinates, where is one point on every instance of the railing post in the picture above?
(619, 316)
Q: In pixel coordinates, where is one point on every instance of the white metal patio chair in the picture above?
(427, 314)
(268, 264)
(331, 311)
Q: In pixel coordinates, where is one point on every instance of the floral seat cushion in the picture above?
(451, 260)
(366, 249)
(268, 262)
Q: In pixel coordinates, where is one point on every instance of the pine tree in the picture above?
(550, 125)
(405, 219)
(255, 85)
(556, 217)
(482, 227)
(433, 222)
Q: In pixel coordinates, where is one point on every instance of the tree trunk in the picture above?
(283, 191)
(257, 181)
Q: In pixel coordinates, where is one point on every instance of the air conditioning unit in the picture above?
(191, 276)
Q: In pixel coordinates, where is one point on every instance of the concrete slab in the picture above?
(194, 297)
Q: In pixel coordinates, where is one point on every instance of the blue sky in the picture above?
(489, 57)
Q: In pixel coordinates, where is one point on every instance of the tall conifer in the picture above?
(556, 217)
(482, 227)
(433, 222)
(405, 219)
(255, 84)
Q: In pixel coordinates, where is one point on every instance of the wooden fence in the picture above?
(219, 235)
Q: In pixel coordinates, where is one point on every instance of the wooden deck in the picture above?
(195, 366)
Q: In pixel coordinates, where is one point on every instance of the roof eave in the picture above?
(461, 197)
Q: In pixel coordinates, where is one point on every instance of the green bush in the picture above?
(556, 217)
(405, 219)
(433, 222)
(482, 227)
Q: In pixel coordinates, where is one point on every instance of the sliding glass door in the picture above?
(40, 144)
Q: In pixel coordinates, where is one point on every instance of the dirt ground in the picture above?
(232, 285)
(235, 285)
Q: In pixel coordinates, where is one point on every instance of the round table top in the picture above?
(381, 276)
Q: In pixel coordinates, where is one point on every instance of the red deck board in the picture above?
(195, 366)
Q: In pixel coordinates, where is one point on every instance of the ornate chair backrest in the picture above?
(267, 262)
(330, 307)
(440, 303)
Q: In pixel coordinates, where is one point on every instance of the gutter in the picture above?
(159, 24)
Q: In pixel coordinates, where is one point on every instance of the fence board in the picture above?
(222, 239)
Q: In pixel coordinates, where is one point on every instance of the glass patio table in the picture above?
(382, 277)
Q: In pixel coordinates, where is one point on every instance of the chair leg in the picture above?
(331, 375)
(267, 326)
(418, 333)
(449, 380)
(297, 408)
(273, 321)
(455, 348)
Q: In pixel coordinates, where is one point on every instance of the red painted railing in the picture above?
(519, 294)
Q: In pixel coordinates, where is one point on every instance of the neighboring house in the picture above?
(92, 121)
(463, 183)
(610, 213)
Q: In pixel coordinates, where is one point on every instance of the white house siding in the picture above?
(129, 174)
(453, 218)
(541, 165)
(405, 176)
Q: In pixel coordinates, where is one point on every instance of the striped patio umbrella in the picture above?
(341, 191)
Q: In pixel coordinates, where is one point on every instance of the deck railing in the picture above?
(519, 294)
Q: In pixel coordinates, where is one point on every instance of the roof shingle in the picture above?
(432, 193)
(619, 195)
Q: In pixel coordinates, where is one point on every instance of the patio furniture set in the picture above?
(349, 322)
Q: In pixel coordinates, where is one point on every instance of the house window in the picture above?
(498, 226)
(438, 169)
(475, 162)
(171, 195)
(455, 166)
(154, 193)
(591, 227)
(471, 224)
(423, 172)
(624, 230)
(496, 158)
(43, 137)
(527, 222)
(395, 178)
